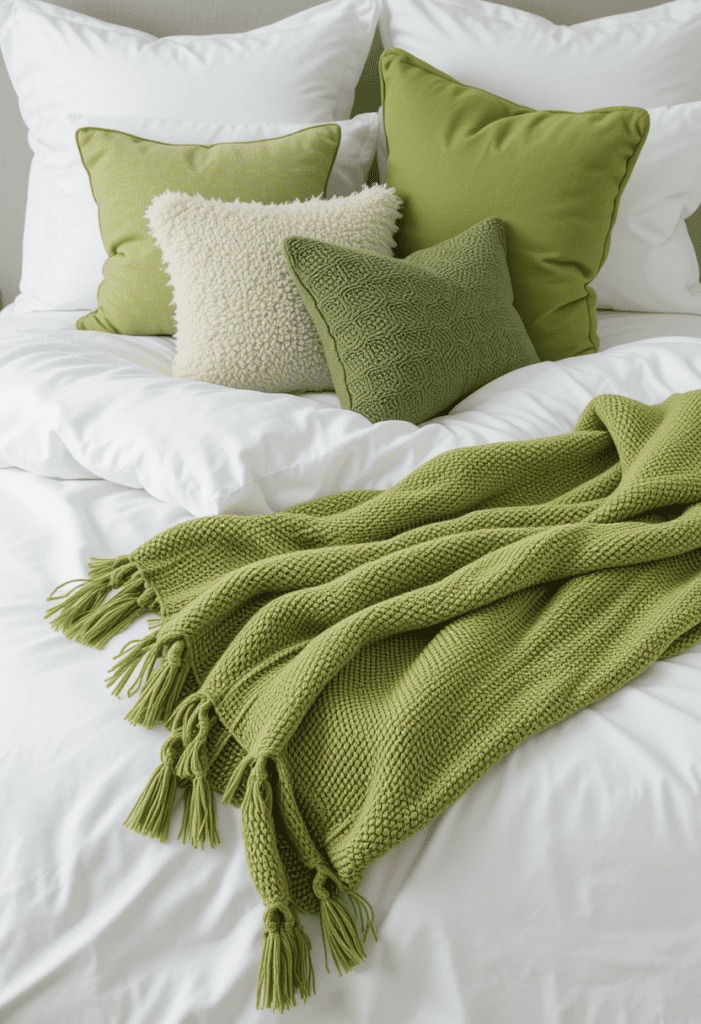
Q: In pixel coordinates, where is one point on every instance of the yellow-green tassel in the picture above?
(199, 814)
(338, 928)
(286, 963)
(152, 812)
(127, 660)
(68, 617)
(161, 687)
(88, 615)
(339, 931)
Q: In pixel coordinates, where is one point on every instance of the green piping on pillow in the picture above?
(458, 155)
(126, 172)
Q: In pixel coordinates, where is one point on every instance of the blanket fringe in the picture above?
(88, 615)
(340, 931)
(152, 812)
(161, 687)
(286, 963)
(126, 662)
(184, 761)
(192, 721)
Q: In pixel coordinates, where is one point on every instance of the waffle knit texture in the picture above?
(346, 669)
(239, 317)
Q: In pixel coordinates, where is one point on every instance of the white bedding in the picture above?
(563, 888)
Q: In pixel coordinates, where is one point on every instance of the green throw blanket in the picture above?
(346, 669)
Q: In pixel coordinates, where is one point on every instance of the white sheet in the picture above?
(563, 887)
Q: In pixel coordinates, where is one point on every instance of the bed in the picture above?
(563, 886)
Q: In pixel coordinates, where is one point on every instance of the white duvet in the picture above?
(563, 888)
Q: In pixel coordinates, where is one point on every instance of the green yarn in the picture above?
(346, 669)
(408, 339)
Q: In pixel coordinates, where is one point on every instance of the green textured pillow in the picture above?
(407, 339)
(126, 172)
(457, 155)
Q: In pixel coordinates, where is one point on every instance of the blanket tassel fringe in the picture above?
(286, 963)
(87, 614)
(184, 762)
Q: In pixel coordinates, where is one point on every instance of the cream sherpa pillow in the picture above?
(239, 317)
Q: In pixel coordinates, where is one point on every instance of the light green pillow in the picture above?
(126, 172)
(457, 155)
(407, 339)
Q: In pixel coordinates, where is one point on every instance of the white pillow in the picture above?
(73, 254)
(239, 316)
(652, 265)
(647, 58)
(299, 71)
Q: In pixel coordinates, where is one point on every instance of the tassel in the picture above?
(82, 599)
(229, 794)
(192, 721)
(87, 615)
(127, 660)
(199, 814)
(338, 927)
(162, 687)
(286, 963)
(152, 812)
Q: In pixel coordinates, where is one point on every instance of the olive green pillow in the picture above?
(407, 339)
(457, 155)
(126, 172)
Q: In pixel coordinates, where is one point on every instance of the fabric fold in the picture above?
(346, 669)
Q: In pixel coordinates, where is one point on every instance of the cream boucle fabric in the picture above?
(240, 320)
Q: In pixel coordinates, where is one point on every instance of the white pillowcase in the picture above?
(239, 316)
(300, 71)
(73, 254)
(647, 58)
(652, 265)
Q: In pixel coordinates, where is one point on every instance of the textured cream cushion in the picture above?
(239, 317)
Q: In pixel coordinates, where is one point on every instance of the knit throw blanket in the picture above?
(346, 669)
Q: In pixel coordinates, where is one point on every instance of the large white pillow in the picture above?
(72, 257)
(239, 316)
(299, 71)
(647, 58)
(652, 266)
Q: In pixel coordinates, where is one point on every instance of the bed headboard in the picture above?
(172, 17)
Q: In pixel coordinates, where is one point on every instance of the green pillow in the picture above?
(407, 339)
(457, 155)
(126, 172)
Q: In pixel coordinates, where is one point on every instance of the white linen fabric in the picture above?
(80, 404)
(562, 886)
(300, 71)
(646, 58)
(239, 317)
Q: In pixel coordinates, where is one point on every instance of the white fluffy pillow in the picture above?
(301, 70)
(647, 58)
(239, 317)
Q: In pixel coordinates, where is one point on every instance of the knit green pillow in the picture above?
(407, 339)
(457, 155)
(126, 172)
